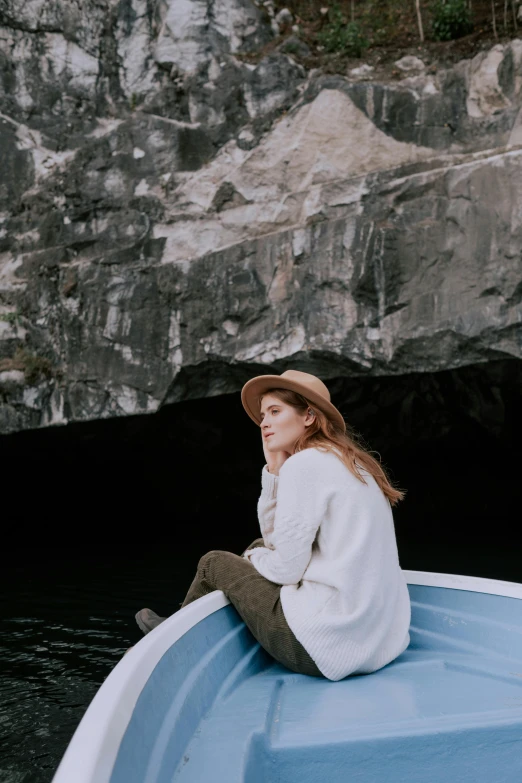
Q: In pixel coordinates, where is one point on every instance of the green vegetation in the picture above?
(381, 30)
(381, 20)
(10, 318)
(292, 47)
(338, 35)
(451, 19)
(34, 367)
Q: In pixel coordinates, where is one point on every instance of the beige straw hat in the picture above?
(308, 385)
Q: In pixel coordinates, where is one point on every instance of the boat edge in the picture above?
(473, 584)
(94, 746)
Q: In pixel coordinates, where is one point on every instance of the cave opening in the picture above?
(187, 478)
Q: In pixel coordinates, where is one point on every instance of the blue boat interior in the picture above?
(217, 707)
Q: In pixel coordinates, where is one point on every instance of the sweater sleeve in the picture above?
(301, 504)
(266, 505)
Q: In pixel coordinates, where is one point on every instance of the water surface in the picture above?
(65, 623)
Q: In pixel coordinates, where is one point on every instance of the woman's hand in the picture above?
(274, 459)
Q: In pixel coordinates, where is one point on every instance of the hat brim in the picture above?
(255, 387)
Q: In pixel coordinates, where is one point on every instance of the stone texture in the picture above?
(174, 220)
(363, 70)
(410, 63)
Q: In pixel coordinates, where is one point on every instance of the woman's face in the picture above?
(284, 422)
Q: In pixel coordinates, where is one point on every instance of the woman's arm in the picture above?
(302, 497)
(266, 505)
(268, 500)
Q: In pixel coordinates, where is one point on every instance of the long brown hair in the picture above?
(327, 436)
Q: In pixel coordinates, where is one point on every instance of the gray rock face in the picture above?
(410, 63)
(174, 220)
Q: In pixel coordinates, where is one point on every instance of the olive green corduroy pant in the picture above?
(257, 600)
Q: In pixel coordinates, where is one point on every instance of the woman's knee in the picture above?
(211, 557)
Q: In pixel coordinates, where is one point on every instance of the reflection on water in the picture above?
(64, 624)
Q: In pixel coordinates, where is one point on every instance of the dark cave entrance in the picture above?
(188, 477)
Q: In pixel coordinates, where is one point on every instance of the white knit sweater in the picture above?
(330, 541)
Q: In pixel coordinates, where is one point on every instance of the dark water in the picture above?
(65, 623)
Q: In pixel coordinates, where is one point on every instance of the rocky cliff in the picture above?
(174, 219)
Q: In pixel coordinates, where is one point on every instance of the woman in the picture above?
(322, 590)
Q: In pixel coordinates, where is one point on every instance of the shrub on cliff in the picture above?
(340, 36)
(450, 19)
